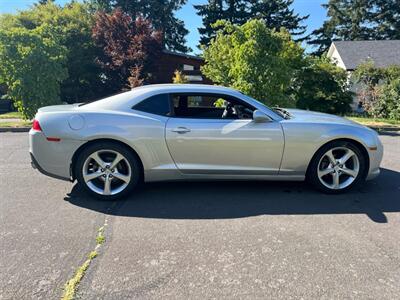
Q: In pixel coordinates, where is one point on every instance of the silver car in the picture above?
(198, 132)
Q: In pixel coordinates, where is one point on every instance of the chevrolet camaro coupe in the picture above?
(197, 132)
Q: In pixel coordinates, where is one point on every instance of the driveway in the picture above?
(199, 240)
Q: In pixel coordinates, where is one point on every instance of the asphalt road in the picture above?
(199, 240)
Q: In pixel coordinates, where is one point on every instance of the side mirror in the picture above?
(260, 117)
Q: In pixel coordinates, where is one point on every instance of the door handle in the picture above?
(181, 130)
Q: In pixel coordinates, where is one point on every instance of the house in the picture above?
(189, 65)
(348, 55)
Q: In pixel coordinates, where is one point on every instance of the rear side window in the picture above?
(158, 105)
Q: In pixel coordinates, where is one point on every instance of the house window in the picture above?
(188, 67)
(194, 78)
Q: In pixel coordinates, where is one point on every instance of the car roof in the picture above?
(125, 101)
(185, 87)
(137, 94)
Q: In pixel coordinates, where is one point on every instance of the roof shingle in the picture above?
(383, 53)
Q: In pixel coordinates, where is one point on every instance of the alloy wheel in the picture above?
(338, 168)
(106, 172)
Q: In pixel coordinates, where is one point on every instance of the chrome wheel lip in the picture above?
(107, 172)
(338, 167)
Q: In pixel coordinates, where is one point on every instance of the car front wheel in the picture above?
(107, 171)
(337, 167)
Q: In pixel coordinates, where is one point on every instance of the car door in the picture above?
(201, 142)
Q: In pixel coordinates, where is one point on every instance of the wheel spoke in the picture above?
(116, 160)
(349, 172)
(91, 176)
(346, 157)
(107, 186)
(325, 172)
(122, 177)
(95, 156)
(335, 182)
(332, 159)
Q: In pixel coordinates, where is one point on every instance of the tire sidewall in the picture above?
(313, 170)
(132, 160)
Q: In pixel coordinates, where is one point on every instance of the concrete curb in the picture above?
(14, 129)
(379, 128)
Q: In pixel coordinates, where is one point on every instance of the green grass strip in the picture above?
(72, 284)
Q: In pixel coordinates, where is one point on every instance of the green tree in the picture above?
(386, 19)
(322, 86)
(233, 11)
(347, 20)
(41, 2)
(72, 25)
(161, 14)
(275, 14)
(256, 60)
(32, 67)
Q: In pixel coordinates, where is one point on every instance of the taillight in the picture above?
(36, 125)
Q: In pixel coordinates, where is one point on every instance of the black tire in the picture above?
(131, 159)
(312, 174)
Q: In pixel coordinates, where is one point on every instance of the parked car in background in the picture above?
(192, 132)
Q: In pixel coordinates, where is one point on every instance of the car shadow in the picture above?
(219, 200)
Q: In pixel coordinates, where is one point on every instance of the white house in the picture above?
(348, 55)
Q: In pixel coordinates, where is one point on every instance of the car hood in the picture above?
(307, 116)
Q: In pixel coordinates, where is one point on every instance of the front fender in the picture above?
(302, 141)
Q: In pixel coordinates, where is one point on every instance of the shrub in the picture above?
(388, 104)
(379, 90)
(256, 60)
(323, 87)
(179, 77)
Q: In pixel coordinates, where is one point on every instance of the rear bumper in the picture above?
(36, 165)
(52, 158)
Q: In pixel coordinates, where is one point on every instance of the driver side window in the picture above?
(210, 106)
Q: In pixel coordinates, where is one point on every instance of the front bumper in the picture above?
(375, 159)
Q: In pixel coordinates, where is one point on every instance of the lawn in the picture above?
(11, 115)
(20, 123)
(378, 122)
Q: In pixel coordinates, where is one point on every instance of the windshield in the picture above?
(281, 112)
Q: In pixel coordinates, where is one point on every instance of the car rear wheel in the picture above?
(337, 167)
(107, 171)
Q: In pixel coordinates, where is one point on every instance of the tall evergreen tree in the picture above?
(278, 14)
(275, 14)
(347, 20)
(161, 14)
(233, 11)
(386, 18)
(42, 2)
